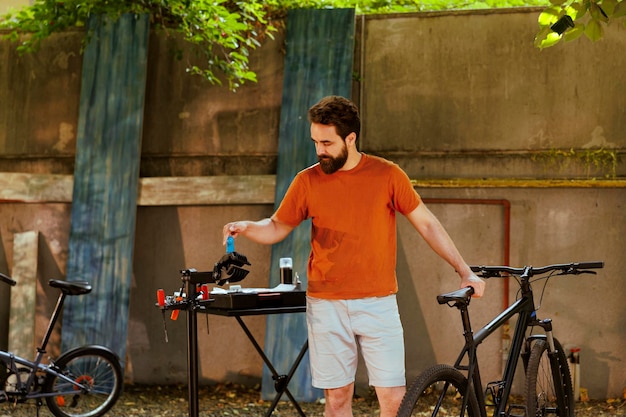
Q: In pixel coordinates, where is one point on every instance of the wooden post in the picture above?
(24, 295)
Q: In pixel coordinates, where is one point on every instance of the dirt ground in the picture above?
(236, 400)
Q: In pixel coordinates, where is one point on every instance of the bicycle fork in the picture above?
(546, 325)
(557, 379)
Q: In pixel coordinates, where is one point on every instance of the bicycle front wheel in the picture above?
(93, 386)
(548, 384)
(438, 391)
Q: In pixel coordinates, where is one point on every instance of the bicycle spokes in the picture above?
(88, 385)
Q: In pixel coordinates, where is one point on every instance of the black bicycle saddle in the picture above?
(71, 287)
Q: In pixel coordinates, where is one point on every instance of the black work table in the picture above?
(280, 381)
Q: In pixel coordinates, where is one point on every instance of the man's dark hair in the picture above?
(339, 112)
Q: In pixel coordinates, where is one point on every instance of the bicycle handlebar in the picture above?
(566, 269)
(7, 279)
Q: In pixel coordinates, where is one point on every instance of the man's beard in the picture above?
(330, 164)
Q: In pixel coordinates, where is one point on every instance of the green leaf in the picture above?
(574, 33)
(609, 6)
(541, 39)
(575, 10)
(594, 30)
(550, 40)
(251, 76)
(620, 10)
(238, 56)
(548, 16)
(597, 13)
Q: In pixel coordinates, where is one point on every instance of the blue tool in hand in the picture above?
(230, 244)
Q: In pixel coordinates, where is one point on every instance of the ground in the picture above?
(236, 400)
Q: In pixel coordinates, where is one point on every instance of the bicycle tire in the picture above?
(541, 391)
(438, 392)
(96, 367)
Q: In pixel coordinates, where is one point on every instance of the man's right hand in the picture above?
(233, 229)
(475, 282)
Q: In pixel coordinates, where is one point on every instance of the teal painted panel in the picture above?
(106, 180)
(320, 50)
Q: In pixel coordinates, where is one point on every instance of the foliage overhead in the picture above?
(225, 31)
(588, 17)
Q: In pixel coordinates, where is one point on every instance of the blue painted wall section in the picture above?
(320, 50)
(106, 180)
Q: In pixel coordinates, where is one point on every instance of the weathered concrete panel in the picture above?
(40, 94)
(474, 80)
(188, 116)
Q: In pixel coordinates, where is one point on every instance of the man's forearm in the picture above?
(438, 239)
(266, 231)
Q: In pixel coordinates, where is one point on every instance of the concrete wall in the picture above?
(472, 87)
(446, 95)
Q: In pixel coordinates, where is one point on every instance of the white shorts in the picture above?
(337, 327)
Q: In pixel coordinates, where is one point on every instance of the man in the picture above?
(352, 199)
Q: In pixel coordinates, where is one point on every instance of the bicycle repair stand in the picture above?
(191, 299)
(281, 381)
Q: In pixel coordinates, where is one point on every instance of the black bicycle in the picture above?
(444, 390)
(83, 382)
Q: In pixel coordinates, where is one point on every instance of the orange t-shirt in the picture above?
(353, 229)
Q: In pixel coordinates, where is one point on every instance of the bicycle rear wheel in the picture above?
(99, 374)
(543, 394)
(438, 391)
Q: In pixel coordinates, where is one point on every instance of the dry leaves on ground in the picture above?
(223, 400)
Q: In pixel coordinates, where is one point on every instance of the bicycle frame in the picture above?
(439, 386)
(88, 377)
(524, 308)
(14, 362)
